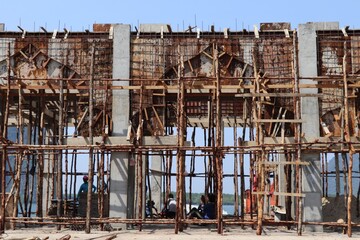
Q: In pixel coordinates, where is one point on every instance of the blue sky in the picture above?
(80, 15)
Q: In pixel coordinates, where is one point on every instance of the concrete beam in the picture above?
(157, 28)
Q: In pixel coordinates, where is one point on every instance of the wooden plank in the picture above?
(147, 140)
(279, 120)
(284, 163)
(281, 194)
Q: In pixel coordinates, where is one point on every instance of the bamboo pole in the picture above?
(347, 138)
(102, 159)
(252, 185)
(75, 180)
(326, 176)
(28, 159)
(323, 173)
(91, 139)
(218, 155)
(192, 167)
(40, 162)
(297, 109)
(66, 160)
(206, 173)
(259, 139)
(140, 170)
(34, 159)
(180, 156)
(236, 170)
(337, 175)
(59, 164)
(4, 136)
(210, 170)
(242, 179)
(19, 155)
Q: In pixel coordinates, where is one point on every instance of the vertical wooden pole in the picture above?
(140, 172)
(66, 160)
(40, 163)
(219, 154)
(242, 178)
(5, 135)
(59, 196)
(19, 155)
(101, 170)
(348, 140)
(192, 166)
(326, 175)
(323, 173)
(91, 141)
(259, 140)
(297, 136)
(337, 174)
(236, 170)
(180, 140)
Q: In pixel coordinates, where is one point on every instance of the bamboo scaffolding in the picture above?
(56, 98)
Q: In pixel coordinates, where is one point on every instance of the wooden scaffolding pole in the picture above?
(40, 162)
(218, 153)
(297, 110)
(4, 150)
(236, 172)
(19, 154)
(59, 164)
(140, 169)
(348, 140)
(91, 142)
(180, 142)
(259, 139)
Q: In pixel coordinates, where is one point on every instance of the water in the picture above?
(229, 209)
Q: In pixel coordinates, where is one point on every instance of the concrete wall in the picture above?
(311, 177)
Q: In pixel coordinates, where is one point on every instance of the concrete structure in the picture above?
(308, 67)
(152, 87)
(121, 172)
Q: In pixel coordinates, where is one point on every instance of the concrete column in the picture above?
(47, 181)
(308, 67)
(120, 171)
(155, 179)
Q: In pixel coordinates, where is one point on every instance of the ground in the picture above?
(191, 233)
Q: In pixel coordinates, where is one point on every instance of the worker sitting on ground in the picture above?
(199, 211)
(209, 207)
(84, 186)
(151, 210)
(169, 210)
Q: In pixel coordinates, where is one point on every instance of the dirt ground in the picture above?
(163, 233)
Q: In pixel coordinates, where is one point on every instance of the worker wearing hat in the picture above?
(84, 186)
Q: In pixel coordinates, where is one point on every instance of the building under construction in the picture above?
(128, 106)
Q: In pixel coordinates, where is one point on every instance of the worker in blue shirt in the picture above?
(84, 186)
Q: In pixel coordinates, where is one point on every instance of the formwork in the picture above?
(56, 115)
